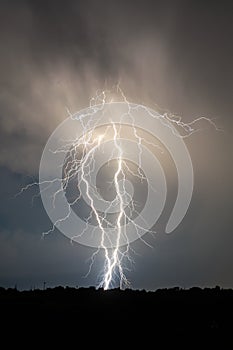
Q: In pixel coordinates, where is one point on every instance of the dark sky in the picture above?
(175, 54)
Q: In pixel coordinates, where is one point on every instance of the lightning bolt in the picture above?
(115, 261)
(79, 167)
(113, 257)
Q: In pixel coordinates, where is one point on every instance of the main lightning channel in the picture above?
(116, 256)
(115, 261)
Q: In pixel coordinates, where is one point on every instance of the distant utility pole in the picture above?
(44, 285)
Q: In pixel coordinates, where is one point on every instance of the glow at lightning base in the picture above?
(106, 146)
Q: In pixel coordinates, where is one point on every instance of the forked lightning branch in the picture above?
(103, 186)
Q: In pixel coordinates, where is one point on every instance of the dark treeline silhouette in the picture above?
(194, 316)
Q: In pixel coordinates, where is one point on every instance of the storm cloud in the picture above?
(173, 54)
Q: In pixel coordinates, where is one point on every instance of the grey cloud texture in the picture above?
(175, 54)
(57, 55)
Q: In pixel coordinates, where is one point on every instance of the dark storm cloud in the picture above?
(177, 54)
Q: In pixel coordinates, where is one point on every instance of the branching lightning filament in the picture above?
(82, 168)
(79, 171)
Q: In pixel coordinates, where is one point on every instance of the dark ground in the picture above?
(199, 318)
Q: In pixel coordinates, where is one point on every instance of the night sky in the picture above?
(174, 54)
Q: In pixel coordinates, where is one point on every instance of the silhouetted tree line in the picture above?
(174, 313)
